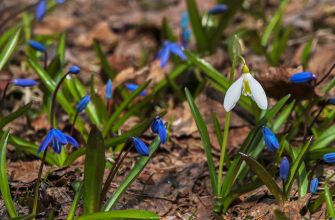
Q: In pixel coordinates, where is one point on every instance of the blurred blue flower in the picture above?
(184, 21)
(83, 103)
(132, 87)
(24, 82)
(284, 168)
(170, 47)
(185, 37)
(313, 186)
(158, 127)
(41, 9)
(60, 1)
(56, 138)
(141, 147)
(302, 77)
(109, 90)
(218, 9)
(331, 101)
(270, 139)
(329, 158)
(74, 69)
(37, 45)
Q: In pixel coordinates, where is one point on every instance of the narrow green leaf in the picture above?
(4, 121)
(314, 206)
(217, 128)
(121, 215)
(265, 176)
(4, 184)
(204, 138)
(75, 202)
(329, 202)
(61, 48)
(7, 51)
(296, 165)
(197, 28)
(104, 62)
(94, 171)
(132, 175)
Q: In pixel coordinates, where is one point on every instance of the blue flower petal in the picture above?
(74, 69)
(313, 187)
(141, 147)
(72, 141)
(57, 146)
(59, 136)
(45, 143)
(184, 20)
(132, 87)
(158, 127)
(177, 50)
(284, 168)
(164, 56)
(109, 89)
(24, 82)
(329, 158)
(218, 9)
(83, 103)
(270, 139)
(36, 45)
(41, 8)
(302, 77)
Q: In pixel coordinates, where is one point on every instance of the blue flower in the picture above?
(270, 139)
(218, 9)
(83, 103)
(170, 47)
(185, 37)
(109, 90)
(37, 45)
(331, 101)
(24, 82)
(132, 87)
(329, 158)
(74, 69)
(41, 9)
(158, 127)
(313, 186)
(141, 147)
(183, 24)
(302, 77)
(60, 1)
(284, 168)
(56, 138)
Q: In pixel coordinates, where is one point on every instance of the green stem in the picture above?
(37, 186)
(74, 122)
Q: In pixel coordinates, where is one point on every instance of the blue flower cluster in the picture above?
(170, 48)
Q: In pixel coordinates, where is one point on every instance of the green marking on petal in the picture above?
(246, 88)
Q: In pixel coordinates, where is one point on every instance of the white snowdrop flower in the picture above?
(247, 86)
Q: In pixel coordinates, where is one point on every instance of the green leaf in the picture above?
(78, 187)
(61, 48)
(4, 121)
(94, 171)
(197, 28)
(296, 165)
(204, 138)
(121, 215)
(104, 62)
(265, 176)
(132, 175)
(4, 184)
(9, 48)
(329, 202)
(123, 106)
(314, 206)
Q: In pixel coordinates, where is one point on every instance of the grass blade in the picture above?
(9, 48)
(104, 62)
(14, 115)
(94, 171)
(329, 202)
(4, 184)
(79, 192)
(132, 175)
(121, 215)
(204, 138)
(265, 176)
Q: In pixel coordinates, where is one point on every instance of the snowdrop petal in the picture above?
(233, 94)
(257, 91)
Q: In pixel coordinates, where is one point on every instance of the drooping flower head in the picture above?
(302, 77)
(109, 90)
(218, 9)
(313, 186)
(140, 147)
(248, 86)
(83, 103)
(329, 157)
(284, 168)
(37, 45)
(24, 82)
(168, 48)
(270, 139)
(158, 127)
(132, 87)
(74, 69)
(41, 9)
(56, 138)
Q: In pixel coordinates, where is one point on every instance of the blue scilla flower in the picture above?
(132, 87)
(41, 9)
(329, 158)
(168, 48)
(56, 138)
(302, 77)
(158, 127)
(37, 45)
(83, 103)
(141, 147)
(284, 169)
(270, 139)
(218, 9)
(60, 1)
(313, 186)
(109, 90)
(185, 36)
(184, 21)
(74, 69)
(24, 82)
